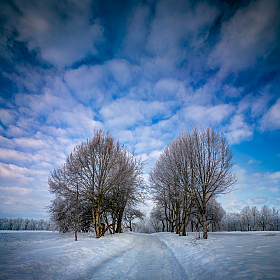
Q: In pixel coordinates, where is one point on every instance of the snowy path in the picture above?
(149, 258)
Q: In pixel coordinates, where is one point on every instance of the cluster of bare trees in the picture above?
(99, 183)
(188, 175)
(214, 217)
(251, 219)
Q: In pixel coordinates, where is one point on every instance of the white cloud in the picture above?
(78, 121)
(122, 71)
(150, 160)
(260, 103)
(168, 89)
(238, 130)
(16, 190)
(253, 161)
(124, 113)
(271, 120)
(24, 206)
(16, 173)
(258, 200)
(124, 136)
(232, 203)
(7, 116)
(61, 41)
(155, 154)
(248, 36)
(208, 115)
(252, 189)
(274, 190)
(15, 131)
(87, 82)
(14, 155)
(274, 176)
(6, 142)
(30, 143)
(136, 31)
(178, 22)
(232, 92)
(150, 144)
(55, 107)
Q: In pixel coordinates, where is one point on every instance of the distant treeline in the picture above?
(251, 219)
(25, 224)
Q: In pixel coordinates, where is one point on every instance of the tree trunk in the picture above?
(119, 222)
(204, 223)
(177, 220)
(108, 227)
(197, 228)
(114, 222)
(163, 225)
(98, 228)
(183, 224)
(93, 214)
(166, 218)
(76, 215)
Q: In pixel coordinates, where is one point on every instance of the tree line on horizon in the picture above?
(252, 219)
(248, 219)
(26, 224)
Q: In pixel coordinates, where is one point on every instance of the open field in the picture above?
(50, 255)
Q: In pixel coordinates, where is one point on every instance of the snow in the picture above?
(51, 255)
(227, 255)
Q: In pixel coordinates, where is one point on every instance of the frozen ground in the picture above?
(50, 255)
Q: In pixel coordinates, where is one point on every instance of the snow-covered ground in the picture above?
(227, 255)
(50, 255)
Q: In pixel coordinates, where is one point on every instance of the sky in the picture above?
(145, 71)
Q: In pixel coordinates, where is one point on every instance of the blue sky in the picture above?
(145, 71)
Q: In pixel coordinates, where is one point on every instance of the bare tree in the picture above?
(130, 214)
(64, 183)
(193, 169)
(246, 216)
(215, 214)
(158, 219)
(265, 217)
(275, 217)
(96, 169)
(255, 214)
(211, 161)
(126, 193)
(169, 191)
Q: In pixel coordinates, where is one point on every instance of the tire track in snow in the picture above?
(149, 258)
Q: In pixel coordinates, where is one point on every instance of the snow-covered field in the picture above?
(228, 255)
(50, 255)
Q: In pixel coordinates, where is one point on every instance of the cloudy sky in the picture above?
(145, 71)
